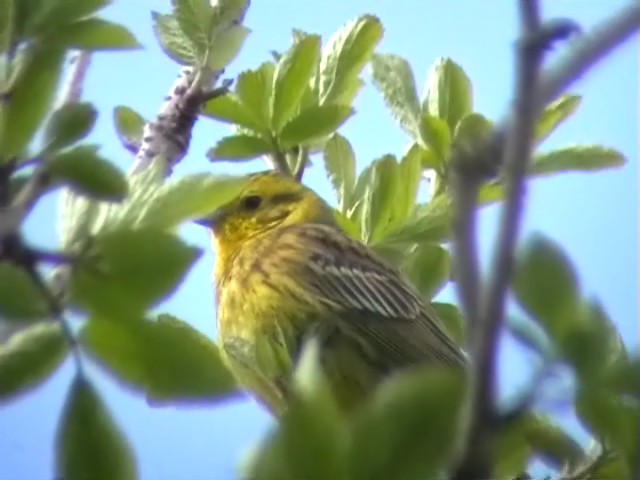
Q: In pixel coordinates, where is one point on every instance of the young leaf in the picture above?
(393, 77)
(254, 89)
(69, 124)
(378, 198)
(310, 442)
(452, 320)
(428, 268)
(581, 158)
(26, 110)
(88, 442)
(291, 79)
(409, 175)
(448, 93)
(226, 46)
(131, 271)
(230, 109)
(546, 285)
(165, 206)
(613, 420)
(172, 40)
(239, 147)
(555, 113)
(430, 222)
(592, 344)
(471, 130)
(340, 163)
(435, 136)
(194, 18)
(152, 356)
(20, 297)
(551, 442)
(95, 34)
(344, 56)
(29, 358)
(85, 171)
(76, 217)
(314, 123)
(408, 429)
(129, 126)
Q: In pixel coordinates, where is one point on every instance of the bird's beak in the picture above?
(212, 221)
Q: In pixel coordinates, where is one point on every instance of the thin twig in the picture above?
(587, 51)
(477, 459)
(80, 66)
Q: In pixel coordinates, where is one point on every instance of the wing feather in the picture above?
(374, 299)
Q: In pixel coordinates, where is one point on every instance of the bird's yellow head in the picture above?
(269, 201)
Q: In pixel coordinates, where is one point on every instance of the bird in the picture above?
(285, 272)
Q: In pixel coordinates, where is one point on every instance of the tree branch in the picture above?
(512, 143)
(169, 135)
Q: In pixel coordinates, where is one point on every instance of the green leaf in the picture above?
(340, 164)
(435, 136)
(30, 357)
(591, 343)
(378, 198)
(314, 123)
(291, 79)
(393, 77)
(453, 321)
(7, 24)
(165, 206)
(131, 270)
(88, 442)
(613, 420)
(69, 124)
(530, 335)
(546, 285)
(25, 111)
(194, 18)
(153, 357)
(230, 109)
(623, 376)
(95, 34)
(448, 93)
(581, 158)
(76, 217)
(430, 222)
(344, 56)
(550, 442)
(226, 47)
(408, 429)
(20, 297)
(172, 40)
(555, 113)
(129, 126)
(239, 147)
(409, 175)
(253, 89)
(310, 441)
(428, 268)
(428, 159)
(471, 131)
(88, 173)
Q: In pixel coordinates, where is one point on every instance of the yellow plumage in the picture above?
(285, 271)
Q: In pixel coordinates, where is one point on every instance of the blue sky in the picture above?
(593, 216)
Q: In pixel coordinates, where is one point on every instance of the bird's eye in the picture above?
(252, 202)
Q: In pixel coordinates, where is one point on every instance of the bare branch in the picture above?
(477, 458)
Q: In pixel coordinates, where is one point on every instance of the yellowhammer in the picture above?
(285, 271)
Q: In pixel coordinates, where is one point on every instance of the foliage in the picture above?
(118, 239)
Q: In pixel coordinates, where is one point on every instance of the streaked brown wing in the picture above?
(373, 297)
